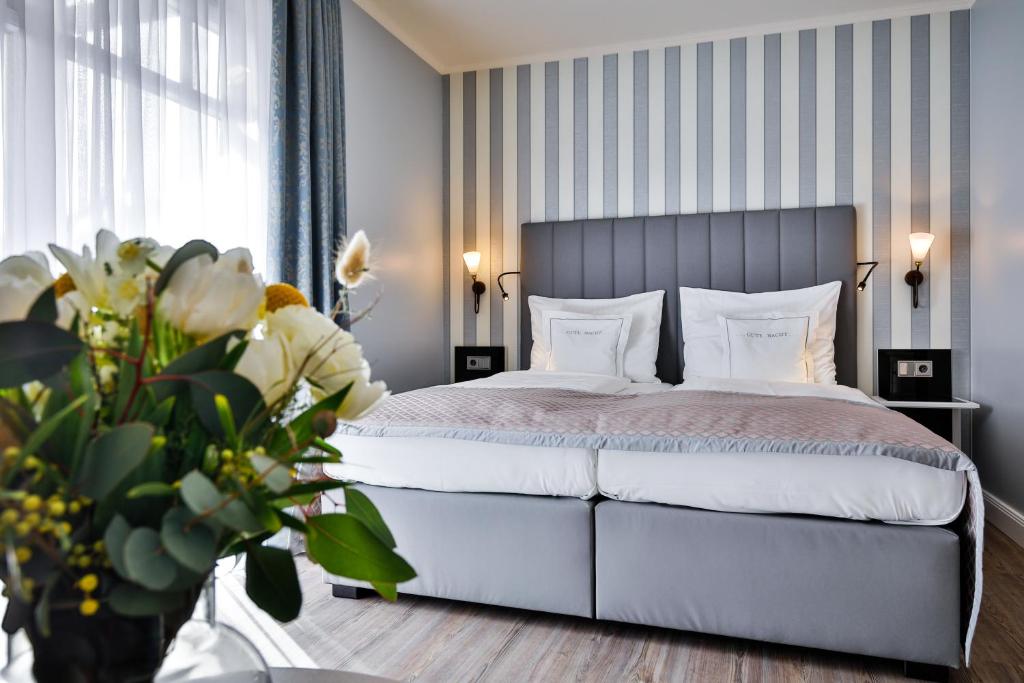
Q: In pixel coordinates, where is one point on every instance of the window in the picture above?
(158, 124)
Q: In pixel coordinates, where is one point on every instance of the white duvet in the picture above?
(865, 488)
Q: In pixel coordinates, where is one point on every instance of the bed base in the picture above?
(862, 588)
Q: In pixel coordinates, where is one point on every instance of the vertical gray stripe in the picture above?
(672, 124)
(581, 130)
(920, 166)
(808, 117)
(468, 199)
(522, 145)
(738, 123)
(497, 107)
(446, 217)
(551, 141)
(611, 136)
(881, 177)
(960, 199)
(641, 132)
(844, 114)
(705, 130)
(773, 121)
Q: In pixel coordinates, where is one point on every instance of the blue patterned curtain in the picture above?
(307, 157)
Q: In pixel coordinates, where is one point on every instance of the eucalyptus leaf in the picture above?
(187, 251)
(272, 582)
(243, 397)
(43, 432)
(202, 497)
(344, 546)
(276, 475)
(388, 591)
(129, 600)
(33, 350)
(113, 540)
(208, 356)
(363, 509)
(147, 562)
(192, 544)
(110, 457)
(44, 309)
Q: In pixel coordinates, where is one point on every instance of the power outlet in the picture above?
(915, 368)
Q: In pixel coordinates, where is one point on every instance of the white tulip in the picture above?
(328, 357)
(89, 273)
(206, 298)
(267, 364)
(22, 279)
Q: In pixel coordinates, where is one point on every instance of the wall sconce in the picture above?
(504, 294)
(920, 243)
(862, 285)
(472, 259)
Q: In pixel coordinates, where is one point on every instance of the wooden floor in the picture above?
(438, 640)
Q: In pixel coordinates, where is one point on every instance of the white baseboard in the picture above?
(1005, 517)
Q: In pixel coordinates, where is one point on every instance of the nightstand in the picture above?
(476, 362)
(921, 411)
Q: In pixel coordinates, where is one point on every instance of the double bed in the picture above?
(798, 513)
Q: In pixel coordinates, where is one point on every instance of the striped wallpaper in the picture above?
(874, 114)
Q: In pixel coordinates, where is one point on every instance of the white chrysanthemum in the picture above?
(206, 298)
(268, 365)
(22, 279)
(328, 357)
(353, 264)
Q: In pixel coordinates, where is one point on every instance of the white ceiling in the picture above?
(459, 35)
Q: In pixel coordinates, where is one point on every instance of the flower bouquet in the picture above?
(156, 406)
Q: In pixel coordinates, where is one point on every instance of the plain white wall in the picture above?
(997, 245)
(393, 134)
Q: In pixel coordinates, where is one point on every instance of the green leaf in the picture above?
(113, 539)
(129, 600)
(203, 498)
(193, 545)
(388, 591)
(187, 251)
(276, 475)
(31, 350)
(242, 395)
(161, 413)
(363, 509)
(110, 457)
(342, 545)
(48, 426)
(208, 356)
(151, 489)
(127, 372)
(291, 522)
(300, 430)
(147, 562)
(44, 309)
(272, 582)
(300, 493)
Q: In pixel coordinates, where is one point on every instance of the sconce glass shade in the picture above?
(472, 259)
(920, 243)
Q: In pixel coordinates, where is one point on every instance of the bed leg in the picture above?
(350, 592)
(926, 672)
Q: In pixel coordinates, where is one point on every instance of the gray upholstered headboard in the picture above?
(741, 251)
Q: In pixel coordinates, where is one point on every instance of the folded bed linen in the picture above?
(686, 422)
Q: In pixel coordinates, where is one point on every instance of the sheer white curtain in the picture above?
(147, 117)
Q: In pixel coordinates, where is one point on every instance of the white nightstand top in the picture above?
(955, 404)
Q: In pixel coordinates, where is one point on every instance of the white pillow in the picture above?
(771, 348)
(644, 333)
(581, 342)
(702, 337)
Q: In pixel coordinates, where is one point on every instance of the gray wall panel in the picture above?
(993, 262)
(395, 146)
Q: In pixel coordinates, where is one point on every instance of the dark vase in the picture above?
(105, 647)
